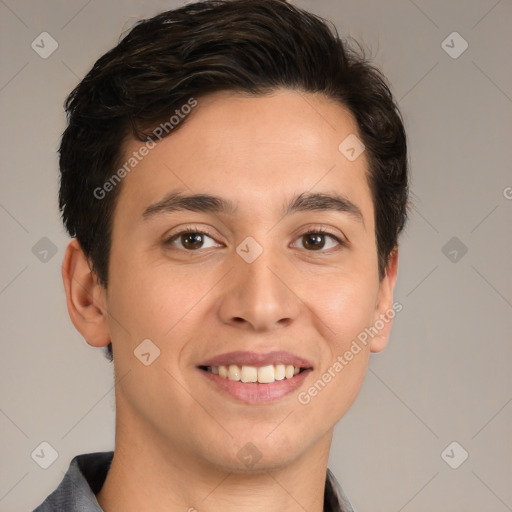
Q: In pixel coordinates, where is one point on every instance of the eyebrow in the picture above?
(207, 203)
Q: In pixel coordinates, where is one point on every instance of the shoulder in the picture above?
(83, 479)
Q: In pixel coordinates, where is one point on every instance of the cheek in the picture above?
(341, 314)
(328, 396)
(344, 306)
(156, 299)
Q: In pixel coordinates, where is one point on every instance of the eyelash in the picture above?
(193, 230)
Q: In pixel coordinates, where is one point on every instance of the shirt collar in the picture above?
(87, 473)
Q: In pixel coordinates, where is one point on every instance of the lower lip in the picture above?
(254, 392)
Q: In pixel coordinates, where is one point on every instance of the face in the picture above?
(244, 285)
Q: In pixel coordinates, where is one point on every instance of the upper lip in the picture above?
(246, 358)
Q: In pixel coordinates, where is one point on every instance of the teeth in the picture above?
(234, 372)
(249, 374)
(263, 374)
(266, 374)
(279, 371)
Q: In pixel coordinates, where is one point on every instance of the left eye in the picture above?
(314, 240)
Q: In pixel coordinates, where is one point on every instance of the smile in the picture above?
(254, 377)
(263, 374)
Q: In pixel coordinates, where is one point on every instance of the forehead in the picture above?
(254, 150)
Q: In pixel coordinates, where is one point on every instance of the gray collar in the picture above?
(87, 473)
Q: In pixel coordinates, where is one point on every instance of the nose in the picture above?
(260, 296)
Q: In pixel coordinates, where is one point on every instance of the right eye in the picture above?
(190, 240)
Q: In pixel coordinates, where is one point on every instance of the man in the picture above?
(234, 178)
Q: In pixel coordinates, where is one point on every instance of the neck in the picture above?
(150, 473)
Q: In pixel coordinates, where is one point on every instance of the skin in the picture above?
(177, 436)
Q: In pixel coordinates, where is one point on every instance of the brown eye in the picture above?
(192, 240)
(189, 240)
(318, 240)
(314, 241)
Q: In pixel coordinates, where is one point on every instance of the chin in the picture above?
(261, 451)
(251, 460)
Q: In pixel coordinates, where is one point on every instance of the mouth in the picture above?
(256, 378)
(250, 374)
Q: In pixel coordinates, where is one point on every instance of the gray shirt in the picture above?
(87, 473)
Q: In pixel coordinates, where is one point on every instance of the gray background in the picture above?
(445, 375)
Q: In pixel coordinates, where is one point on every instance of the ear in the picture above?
(384, 311)
(85, 297)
